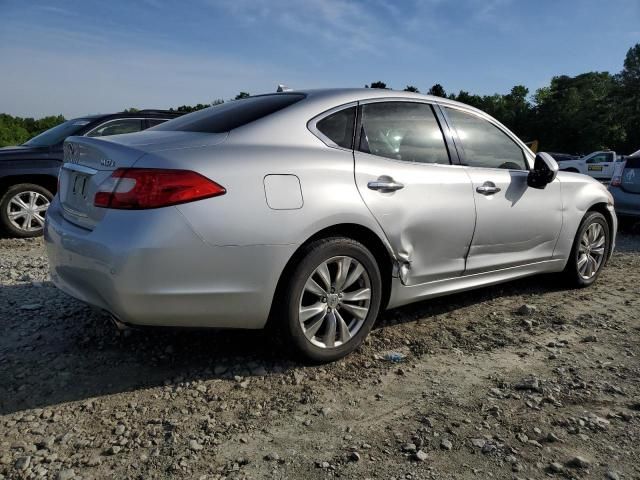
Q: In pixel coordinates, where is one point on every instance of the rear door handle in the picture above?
(488, 188)
(385, 184)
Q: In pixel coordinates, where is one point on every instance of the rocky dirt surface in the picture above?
(524, 380)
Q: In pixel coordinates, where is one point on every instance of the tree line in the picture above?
(591, 111)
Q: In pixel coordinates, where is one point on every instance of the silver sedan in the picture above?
(312, 211)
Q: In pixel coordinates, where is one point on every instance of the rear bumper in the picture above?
(150, 268)
(626, 204)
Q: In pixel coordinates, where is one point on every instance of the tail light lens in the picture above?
(616, 181)
(142, 188)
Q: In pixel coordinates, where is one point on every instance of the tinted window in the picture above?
(632, 163)
(484, 144)
(230, 115)
(117, 127)
(631, 175)
(338, 127)
(404, 131)
(155, 121)
(57, 134)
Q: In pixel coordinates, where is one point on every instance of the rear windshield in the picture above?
(234, 114)
(57, 134)
(632, 163)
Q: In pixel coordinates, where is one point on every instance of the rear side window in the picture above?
(406, 131)
(338, 127)
(484, 144)
(234, 114)
(117, 127)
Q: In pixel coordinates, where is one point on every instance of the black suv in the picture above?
(29, 172)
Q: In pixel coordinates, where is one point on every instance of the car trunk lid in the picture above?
(91, 161)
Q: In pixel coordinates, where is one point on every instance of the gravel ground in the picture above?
(524, 380)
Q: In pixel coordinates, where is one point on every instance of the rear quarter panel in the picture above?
(243, 217)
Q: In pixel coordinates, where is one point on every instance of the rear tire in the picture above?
(331, 300)
(23, 208)
(590, 250)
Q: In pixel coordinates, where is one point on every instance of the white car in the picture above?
(598, 165)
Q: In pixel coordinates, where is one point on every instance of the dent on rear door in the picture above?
(429, 222)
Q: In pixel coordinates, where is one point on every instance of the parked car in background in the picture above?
(316, 209)
(29, 172)
(598, 165)
(563, 157)
(625, 188)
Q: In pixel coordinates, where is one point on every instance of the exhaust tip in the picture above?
(121, 326)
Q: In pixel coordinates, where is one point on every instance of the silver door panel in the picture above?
(516, 225)
(429, 221)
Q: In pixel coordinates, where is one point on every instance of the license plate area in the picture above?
(75, 188)
(77, 191)
(79, 183)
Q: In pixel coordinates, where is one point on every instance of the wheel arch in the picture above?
(601, 207)
(366, 236)
(47, 181)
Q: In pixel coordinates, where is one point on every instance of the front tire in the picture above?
(23, 208)
(332, 299)
(590, 250)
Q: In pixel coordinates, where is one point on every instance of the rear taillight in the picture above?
(616, 181)
(141, 188)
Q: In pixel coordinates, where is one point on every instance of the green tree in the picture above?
(437, 90)
(411, 88)
(629, 98)
(578, 114)
(377, 85)
(242, 95)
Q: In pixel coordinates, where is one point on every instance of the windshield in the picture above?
(225, 117)
(57, 134)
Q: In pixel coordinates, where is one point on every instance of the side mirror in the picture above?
(545, 169)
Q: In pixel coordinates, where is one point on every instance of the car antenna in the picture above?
(283, 88)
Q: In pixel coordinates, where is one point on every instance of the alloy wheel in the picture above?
(335, 302)
(26, 211)
(591, 251)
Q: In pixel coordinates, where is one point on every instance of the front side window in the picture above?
(117, 127)
(484, 144)
(338, 127)
(407, 131)
(601, 158)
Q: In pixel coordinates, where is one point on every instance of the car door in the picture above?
(515, 224)
(405, 176)
(601, 165)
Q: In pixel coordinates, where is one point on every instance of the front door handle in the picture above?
(385, 184)
(488, 188)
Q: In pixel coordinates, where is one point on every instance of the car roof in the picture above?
(346, 95)
(147, 113)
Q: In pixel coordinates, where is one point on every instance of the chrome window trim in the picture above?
(114, 120)
(313, 128)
